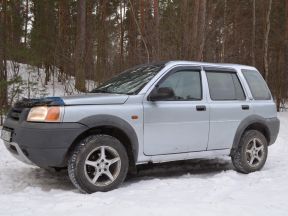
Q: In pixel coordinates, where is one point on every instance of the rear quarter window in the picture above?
(257, 85)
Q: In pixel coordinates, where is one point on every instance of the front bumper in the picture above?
(42, 144)
(17, 152)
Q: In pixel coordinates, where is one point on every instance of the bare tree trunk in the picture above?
(132, 35)
(47, 73)
(141, 26)
(140, 32)
(195, 26)
(3, 58)
(266, 41)
(224, 32)
(285, 94)
(89, 62)
(63, 40)
(201, 31)
(26, 22)
(80, 46)
(156, 18)
(253, 31)
(185, 32)
(278, 80)
(101, 42)
(142, 4)
(122, 9)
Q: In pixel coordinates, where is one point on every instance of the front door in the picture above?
(181, 123)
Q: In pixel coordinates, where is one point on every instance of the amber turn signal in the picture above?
(53, 114)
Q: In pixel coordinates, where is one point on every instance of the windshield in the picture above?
(130, 81)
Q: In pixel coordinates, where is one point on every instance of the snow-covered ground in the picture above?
(196, 188)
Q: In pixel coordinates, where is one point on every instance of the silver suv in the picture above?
(169, 111)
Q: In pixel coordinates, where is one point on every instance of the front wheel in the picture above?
(251, 153)
(98, 163)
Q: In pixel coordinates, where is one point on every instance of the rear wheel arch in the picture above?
(261, 128)
(254, 122)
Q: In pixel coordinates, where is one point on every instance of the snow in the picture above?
(32, 82)
(208, 187)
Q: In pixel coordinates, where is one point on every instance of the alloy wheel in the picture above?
(255, 152)
(102, 166)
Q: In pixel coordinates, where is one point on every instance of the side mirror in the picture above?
(164, 93)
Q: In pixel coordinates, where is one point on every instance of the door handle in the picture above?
(245, 107)
(201, 108)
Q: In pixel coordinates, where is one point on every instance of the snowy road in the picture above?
(198, 188)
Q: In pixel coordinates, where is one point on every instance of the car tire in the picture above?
(98, 163)
(251, 153)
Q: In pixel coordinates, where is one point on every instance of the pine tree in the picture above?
(80, 49)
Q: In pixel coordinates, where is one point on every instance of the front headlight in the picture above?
(45, 114)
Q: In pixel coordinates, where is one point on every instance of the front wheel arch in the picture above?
(111, 131)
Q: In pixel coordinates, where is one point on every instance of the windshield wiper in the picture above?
(99, 91)
(105, 91)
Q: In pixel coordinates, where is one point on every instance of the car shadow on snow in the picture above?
(178, 168)
(48, 180)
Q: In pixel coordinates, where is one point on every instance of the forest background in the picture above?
(96, 39)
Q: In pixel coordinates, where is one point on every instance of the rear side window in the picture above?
(257, 85)
(224, 86)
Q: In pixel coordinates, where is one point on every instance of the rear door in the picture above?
(228, 106)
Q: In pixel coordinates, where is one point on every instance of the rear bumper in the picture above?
(42, 144)
(274, 126)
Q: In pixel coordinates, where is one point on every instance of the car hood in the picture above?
(95, 99)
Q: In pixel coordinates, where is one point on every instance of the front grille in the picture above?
(15, 113)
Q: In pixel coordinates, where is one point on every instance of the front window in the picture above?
(185, 84)
(130, 81)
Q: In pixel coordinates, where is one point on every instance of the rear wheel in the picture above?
(98, 163)
(251, 153)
